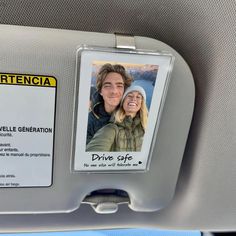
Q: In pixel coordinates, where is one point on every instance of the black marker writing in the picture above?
(125, 158)
(102, 157)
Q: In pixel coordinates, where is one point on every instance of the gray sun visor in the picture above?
(45, 87)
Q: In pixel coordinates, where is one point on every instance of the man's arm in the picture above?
(102, 140)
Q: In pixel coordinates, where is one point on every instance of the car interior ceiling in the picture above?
(203, 34)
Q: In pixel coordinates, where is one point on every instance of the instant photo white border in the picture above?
(116, 161)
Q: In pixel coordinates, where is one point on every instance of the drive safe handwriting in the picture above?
(120, 158)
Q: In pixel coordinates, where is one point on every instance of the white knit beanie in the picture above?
(134, 88)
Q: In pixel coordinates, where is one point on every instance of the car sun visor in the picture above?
(53, 86)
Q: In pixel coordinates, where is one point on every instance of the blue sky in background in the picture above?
(123, 232)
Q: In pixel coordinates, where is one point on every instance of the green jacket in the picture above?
(121, 137)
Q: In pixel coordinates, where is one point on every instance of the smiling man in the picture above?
(112, 81)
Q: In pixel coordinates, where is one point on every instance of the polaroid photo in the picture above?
(119, 98)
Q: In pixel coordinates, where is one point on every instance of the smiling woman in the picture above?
(132, 103)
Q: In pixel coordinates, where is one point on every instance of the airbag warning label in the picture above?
(27, 107)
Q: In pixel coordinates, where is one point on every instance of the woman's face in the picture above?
(132, 103)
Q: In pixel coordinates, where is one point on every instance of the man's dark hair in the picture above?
(108, 68)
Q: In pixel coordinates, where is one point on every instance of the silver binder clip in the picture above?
(125, 41)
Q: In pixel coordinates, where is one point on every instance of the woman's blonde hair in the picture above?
(143, 113)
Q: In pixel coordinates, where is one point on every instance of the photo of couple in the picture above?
(118, 106)
(120, 97)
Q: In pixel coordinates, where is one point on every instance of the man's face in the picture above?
(112, 91)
